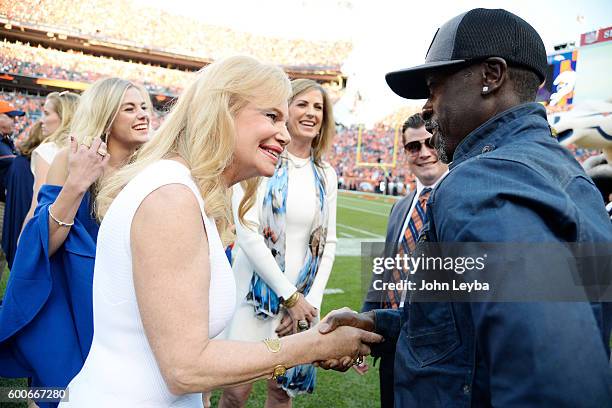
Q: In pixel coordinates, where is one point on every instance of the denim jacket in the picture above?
(510, 181)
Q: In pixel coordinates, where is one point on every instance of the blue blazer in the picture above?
(46, 319)
(19, 182)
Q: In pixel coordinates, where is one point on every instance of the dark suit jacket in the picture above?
(397, 217)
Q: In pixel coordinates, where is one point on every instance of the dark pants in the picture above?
(385, 371)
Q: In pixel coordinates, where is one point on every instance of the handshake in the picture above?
(342, 330)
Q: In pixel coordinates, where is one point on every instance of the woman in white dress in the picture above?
(58, 111)
(285, 255)
(163, 288)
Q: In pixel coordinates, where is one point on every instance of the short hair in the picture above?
(525, 83)
(415, 121)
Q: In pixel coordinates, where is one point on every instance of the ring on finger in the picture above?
(303, 325)
(102, 152)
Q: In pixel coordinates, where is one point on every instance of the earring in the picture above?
(485, 89)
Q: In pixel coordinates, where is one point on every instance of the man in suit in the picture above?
(405, 220)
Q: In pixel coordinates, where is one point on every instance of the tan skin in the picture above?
(169, 237)
(305, 120)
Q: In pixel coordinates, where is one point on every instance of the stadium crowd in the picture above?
(180, 34)
(27, 60)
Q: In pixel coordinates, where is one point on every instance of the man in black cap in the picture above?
(509, 181)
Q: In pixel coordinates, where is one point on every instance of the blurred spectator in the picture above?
(19, 184)
(7, 155)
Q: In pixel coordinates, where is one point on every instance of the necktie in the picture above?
(408, 244)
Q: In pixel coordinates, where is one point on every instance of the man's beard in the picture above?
(439, 141)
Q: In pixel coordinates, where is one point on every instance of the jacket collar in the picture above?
(491, 134)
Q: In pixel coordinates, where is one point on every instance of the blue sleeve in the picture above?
(538, 352)
(388, 323)
(49, 295)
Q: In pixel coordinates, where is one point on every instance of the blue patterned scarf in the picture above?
(299, 379)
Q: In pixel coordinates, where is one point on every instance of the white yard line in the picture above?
(349, 207)
(367, 202)
(359, 230)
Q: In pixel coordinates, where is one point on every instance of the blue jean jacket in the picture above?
(510, 181)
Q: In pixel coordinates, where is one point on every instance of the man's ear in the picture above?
(494, 74)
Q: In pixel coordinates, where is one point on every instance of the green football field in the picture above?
(359, 217)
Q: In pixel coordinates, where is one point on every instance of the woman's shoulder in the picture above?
(160, 175)
(58, 170)
(47, 150)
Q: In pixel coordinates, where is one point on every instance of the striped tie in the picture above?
(408, 244)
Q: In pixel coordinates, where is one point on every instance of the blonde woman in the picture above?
(163, 288)
(284, 256)
(58, 111)
(49, 290)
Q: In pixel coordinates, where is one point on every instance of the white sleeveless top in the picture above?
(121, 370)
(44, 151)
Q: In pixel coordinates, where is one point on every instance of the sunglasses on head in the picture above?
(416, 146)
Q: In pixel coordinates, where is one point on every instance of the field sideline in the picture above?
(360, 216)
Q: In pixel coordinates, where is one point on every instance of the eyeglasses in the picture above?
(415, 147)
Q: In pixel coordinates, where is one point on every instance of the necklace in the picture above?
(295, 165)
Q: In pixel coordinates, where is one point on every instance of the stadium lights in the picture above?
(62, 36)
(50, 34)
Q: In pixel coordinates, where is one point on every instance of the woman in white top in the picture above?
(58, 111)
(163, 288)
(284, 256)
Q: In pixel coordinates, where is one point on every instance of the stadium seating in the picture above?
(153, 28)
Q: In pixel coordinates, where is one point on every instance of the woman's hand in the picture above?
(344, 345)
(302, 310)
(285, 327)
(86, 164)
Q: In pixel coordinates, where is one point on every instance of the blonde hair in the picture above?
(98, 108)
(200, 129)
(96, 113)
(35, 138)
(324, 139)
(65, 104)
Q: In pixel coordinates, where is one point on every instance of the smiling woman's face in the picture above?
(306, 115)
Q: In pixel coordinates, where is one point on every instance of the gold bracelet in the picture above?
(60, 223)
(273, 345)
(291, 300)
(279, 371)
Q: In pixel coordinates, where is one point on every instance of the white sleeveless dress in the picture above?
(121, 370)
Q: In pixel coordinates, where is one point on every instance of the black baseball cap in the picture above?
(472, 36)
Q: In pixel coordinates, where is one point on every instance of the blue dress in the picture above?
(46, 319)
(19, 184)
